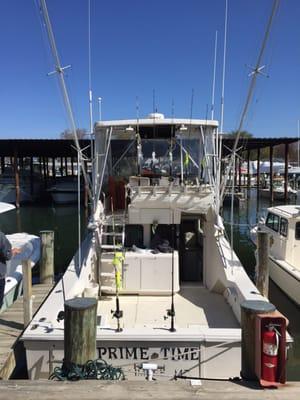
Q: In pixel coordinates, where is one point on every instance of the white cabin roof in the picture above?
(287, 211)
(157, 121)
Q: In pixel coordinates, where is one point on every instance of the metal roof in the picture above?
(255, 143)
(66, 147)
(41, 147)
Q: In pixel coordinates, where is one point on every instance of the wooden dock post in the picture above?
(249, 309)
(258, 174)
(27, 291)
(262, 267)
(286, 168)
(47, 257)
(80, 331)
(17, 180)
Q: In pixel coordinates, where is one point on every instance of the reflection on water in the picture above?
(245, 217)
(63, 220)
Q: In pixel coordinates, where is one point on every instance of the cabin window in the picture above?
(297, 231)
(283, 227)
(273, 222)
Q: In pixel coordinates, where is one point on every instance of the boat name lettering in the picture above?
(148, 353)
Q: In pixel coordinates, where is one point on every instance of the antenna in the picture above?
(219, 135)
(138, 138)
(214, 78)
(298, 149)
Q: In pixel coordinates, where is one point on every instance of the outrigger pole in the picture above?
(60, 71)
(256, 71)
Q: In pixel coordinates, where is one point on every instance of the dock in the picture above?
(121, 390)
(11, 327)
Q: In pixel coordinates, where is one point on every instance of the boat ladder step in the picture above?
(112, 233)
(111, 247)
(109, 223)
(107, 275)
(104, 288)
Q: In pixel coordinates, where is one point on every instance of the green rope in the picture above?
(93, 369)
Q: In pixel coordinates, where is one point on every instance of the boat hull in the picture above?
(285, 279)
(60, 197)
(198, 358)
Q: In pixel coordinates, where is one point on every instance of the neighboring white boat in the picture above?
(283, 225)
(65, 190)
(29, 246)
(278, 191)
(30, 187)
(178, 270)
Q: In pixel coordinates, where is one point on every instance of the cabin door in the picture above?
(190, 252)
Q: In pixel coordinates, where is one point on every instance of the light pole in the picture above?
(99, 106)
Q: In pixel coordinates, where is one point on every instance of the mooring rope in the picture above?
(92, 369)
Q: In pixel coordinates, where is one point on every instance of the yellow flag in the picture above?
(186, 159)
(118, 263)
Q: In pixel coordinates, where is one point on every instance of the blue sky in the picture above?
(141, 45)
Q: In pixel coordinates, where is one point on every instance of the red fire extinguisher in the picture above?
(270, 346)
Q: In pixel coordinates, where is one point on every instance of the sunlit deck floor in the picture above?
(195, 306)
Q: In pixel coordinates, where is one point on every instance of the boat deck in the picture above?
(195, 307)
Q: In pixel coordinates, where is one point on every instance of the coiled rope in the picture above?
(92, 369)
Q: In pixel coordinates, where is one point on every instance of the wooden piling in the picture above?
(72, 166)
(262, 267)
(47, 257)
(286, 167)
(80, 330)
(61, 167)
(248, 170)
(271, 176)
(249, 309)
(66, 166)
(258, 174)
(27, 291)
(17, 180)
(53, 168)
(2, 164)
(31, 176)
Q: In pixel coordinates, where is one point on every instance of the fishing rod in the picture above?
(171, 311)
(117, 261)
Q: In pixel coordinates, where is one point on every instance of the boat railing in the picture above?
(203, 189)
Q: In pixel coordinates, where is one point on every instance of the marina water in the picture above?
(63, 220)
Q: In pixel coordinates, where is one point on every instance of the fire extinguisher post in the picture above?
(249, 309)
(262, 266)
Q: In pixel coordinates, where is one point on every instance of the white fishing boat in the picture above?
(65, 190)
(278, 191)
(29, 247)
(283, 225)
(181, 283)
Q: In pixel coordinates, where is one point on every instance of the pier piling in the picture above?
(80, 331)
(47, 257)
(262, 267)
(27, 291)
